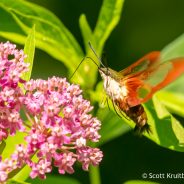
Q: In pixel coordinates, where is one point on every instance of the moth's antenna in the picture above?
(90, 59)
(91, 47)
(93, 61)
(81, 63)
(77, 68)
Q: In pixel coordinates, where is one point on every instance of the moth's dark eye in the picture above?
(108, 72)
(105, 71)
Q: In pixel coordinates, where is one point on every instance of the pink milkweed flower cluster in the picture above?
(58, 128)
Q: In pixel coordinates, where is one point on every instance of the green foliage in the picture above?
(16, 182)
(54, 38)
(86, 31)
(109, 17)
(47, 32)
(174, 49)
(139, 182)
(22, 173)
(112, 126)
(29, 50)
(55, 179)
(51, 35)
(2, 146)
(167, 130)
(11, 143)
(173, 101)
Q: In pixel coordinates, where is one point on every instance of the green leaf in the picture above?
(29, 50)
(12, 181)
(112, 125)
(48, 26)
(11, 143)
(174, 49)
(54, 179)
(86, 31)
(140, 182)
(87, 34)
(108, 18)
(172, 101)
(166, 130)
(172, 96)
(23, 173)
(2, 146)
(51, 35)
(54, 38)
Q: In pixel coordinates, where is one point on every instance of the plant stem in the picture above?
(94, 174)
(2, 146)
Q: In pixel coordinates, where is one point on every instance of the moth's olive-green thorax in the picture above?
(109, 72)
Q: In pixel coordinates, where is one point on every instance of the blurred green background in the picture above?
(145, 25)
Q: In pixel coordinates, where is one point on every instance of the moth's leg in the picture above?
(107, 103)
(123, 104)
(114, 106)
(117, 108)
(104, 100)
(107, 83)
(122, 107)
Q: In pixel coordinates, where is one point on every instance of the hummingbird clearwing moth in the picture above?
(136, 84)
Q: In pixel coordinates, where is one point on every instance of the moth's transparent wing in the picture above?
(141, 85)
(161, 76)
(142, 64)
